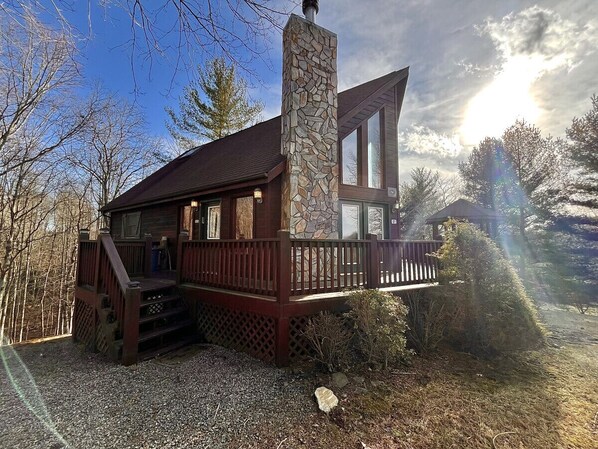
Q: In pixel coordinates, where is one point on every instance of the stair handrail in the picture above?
(131, 292)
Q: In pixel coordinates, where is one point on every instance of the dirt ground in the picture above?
(206, 396)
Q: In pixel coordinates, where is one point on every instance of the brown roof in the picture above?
(463, 209)
(246, 155)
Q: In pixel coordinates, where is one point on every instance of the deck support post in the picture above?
(183, 237)
(373, 261)
(147, 260)
(131, 321)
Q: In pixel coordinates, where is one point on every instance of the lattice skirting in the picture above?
(299, 347)
(243, 331)
(85, 323)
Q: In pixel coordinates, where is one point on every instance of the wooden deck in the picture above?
(255, 296)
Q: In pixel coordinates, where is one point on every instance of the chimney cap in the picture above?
(310, 4)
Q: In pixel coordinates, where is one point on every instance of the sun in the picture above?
(507, 98)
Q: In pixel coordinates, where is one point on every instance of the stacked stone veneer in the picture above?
(309, 130)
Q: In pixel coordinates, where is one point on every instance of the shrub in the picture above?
(329, 337)
(491, 311)
(379, 321)
(428, 319)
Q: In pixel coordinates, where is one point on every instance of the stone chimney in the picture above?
(309, 128)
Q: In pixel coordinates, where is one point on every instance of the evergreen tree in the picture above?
(212, 107)
(583, 151)
(419, 199)
(512, 174)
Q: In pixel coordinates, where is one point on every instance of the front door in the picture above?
(210, 220)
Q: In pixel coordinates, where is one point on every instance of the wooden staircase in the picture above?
(129, 319)
(164, 322)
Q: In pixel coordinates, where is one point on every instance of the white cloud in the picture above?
(530, 44)
(543, 37)
(421, 140)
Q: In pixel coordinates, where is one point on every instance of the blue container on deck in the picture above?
(155, 259)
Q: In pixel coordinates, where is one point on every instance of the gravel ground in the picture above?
(53, 395)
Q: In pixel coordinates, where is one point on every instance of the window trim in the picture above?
(124, 225)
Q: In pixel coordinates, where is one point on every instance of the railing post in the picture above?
(147, 260)
(283, 294)
(373, 261)
(284, 267)
(183, 237)
(131, 324)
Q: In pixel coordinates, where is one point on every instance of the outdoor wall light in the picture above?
(257, 195)
(194, 203)
(396, 206)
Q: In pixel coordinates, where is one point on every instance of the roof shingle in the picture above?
(245, 155)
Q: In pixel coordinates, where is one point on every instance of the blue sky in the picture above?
(476, 66)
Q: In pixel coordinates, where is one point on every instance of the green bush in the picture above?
(379, 321)
(329, 337)
(429, 319)
(490, 310)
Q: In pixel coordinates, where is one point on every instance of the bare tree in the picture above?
(37, 73)
(114, 152)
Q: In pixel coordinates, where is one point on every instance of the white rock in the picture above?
(326, 399)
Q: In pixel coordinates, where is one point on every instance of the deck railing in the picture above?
(135, 255)
(86, 268)
(241, 265)
(320, 266)
(102, 273)
(285, 267)
(407, 262)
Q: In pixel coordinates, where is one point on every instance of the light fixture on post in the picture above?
(257, 195)
(194, 203)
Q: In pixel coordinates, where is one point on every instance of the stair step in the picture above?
(165, 314)
(164, 330)
(160, 300)
(153, 353)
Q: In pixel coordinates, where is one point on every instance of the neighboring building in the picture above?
(486, 219)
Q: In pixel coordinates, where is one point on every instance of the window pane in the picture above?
(244, 218)
(349, 146)
(350, 216)
(374, 153)
(131, 225)
(376, 221)
(214, 222)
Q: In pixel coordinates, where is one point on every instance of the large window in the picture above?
(131, 225)
(244, 217)
(362, 155)
(349, 159)
(358, 219)
(374, 153)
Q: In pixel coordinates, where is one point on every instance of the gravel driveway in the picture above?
(202, 397)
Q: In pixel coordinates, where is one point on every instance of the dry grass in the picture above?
(544, 399)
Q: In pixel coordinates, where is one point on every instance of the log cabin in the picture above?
(239, 241)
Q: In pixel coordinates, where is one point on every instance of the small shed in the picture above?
(462, 209)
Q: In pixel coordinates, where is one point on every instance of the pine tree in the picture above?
(583, 150)
(213, 106)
